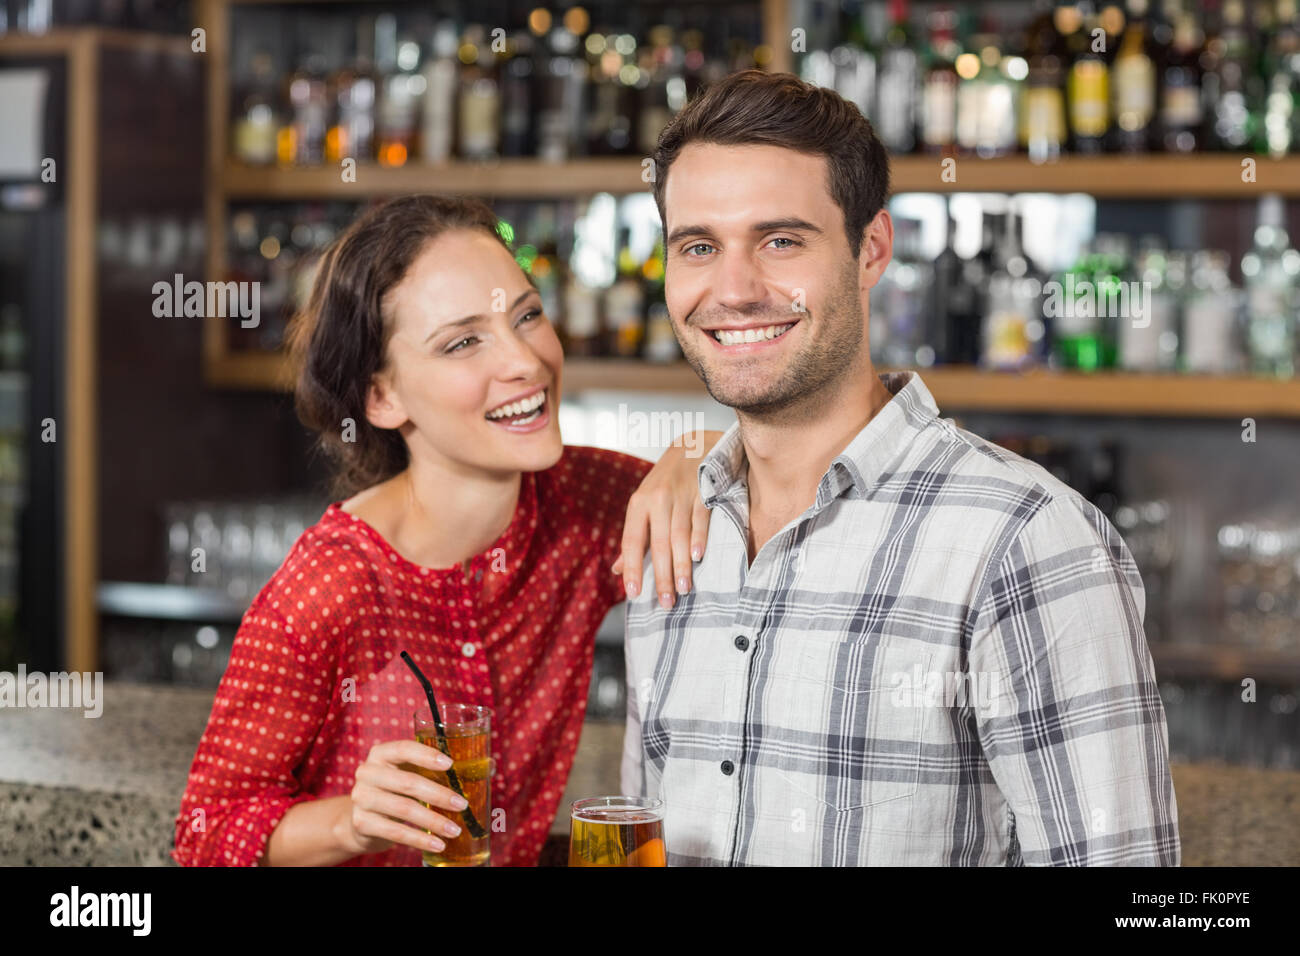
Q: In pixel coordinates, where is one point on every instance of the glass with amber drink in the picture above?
(617, 831)
(467, 729)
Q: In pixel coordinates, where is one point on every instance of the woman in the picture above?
(473, 539)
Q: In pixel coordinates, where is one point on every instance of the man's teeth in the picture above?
(521, 407)
(740, 337)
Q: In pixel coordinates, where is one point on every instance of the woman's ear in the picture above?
(383, 406)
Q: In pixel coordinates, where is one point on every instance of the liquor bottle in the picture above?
(856, 63)
(1272, 272)
(1148, 336)
(255, 126)
(661, 343)
(939, 93)
(955, 331)
(1210, 341)
(899, 84)
(479, 100)
(1278, 130)
(610, 95)
(1133, 82)
(662, 89)
(1004, 74)
(309, 112)
(1232, 82)
(625, 303)
(1088, 83)
(1042, 117)
(1013, 331)
(352, 134)
(1181, 117)
(562, 78)
(441, 80)
(400, 93)
(907, 284)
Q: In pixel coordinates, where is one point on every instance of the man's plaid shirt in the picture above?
(941, 662)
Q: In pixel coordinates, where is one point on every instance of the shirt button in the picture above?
(728, 767)
(742, 643)
(468, 649)
(478, 575)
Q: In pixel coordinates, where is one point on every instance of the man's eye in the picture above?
(698, 245)
(792, 242)
(461, 343)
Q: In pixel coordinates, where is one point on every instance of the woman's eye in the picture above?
(461, 343)
(530, 315)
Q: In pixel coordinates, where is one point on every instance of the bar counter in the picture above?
(78, 791)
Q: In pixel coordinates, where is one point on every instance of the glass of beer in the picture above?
(617, 831)
(468, 732)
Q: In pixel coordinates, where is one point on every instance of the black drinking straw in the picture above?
(475, 828)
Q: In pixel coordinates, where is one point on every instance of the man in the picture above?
(904, 644)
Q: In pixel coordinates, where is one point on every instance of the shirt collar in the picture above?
(858, 467)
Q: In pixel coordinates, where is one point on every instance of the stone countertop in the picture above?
(135, 758)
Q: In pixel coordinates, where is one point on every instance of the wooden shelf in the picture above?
(506, 178)
(1041, 391)
(1225, 662)
(1151, 176)
(955, 388)
(1209, 175)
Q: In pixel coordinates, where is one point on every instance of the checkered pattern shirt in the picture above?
(940, 662)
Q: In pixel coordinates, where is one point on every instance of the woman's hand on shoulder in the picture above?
(667, 511)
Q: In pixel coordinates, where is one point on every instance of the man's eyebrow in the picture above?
(478, 317)
(792, 223)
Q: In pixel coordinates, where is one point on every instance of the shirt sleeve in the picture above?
(1073, 728)
(269, 707)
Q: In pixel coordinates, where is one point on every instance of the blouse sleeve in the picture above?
(269, 708)
(617, 475)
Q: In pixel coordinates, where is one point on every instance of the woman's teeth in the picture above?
(521, 412)
(740, 337)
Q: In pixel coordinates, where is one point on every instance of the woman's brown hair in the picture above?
(340, 340)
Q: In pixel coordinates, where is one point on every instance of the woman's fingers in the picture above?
(407, 783)
(660, 513)
(376, 826)
(404, 810)
(634, 545)
(680, 545)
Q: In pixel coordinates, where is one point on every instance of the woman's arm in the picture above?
(668, 511)
(314, 833)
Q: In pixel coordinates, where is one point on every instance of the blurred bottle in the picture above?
(401, 89)
(480, 97)
(1278, 130)
(302, 141)
(1181, 117)
(561, 85)
(625, 303)
(1043, 129)
(518, 82)
(257, 122)
(352, 135)
(441, 80)
(901, 301)
(1231, 83)
(1089, 79)
(664, 92)
(1272, 271)
(1133, 81)
(1210, 327)
(661, 343)
(955, 329)
(895, 120)
(1013, 328)
(1148, 336)
(939, 94)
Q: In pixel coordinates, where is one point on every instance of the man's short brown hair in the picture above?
(752, 107)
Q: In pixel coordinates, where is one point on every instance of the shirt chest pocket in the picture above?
(872, 725)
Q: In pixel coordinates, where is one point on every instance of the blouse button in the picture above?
(478, 575)
(467, 649)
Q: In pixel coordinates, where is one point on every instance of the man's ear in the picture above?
(383, 406)
(877, 249)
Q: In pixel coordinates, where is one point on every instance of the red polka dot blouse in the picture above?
(315, 678)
